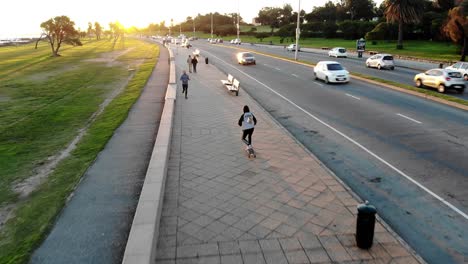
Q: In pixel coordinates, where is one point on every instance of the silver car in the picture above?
(338, 52)
(245, 58)
(461, 67)
(441, 79)
(381, 61)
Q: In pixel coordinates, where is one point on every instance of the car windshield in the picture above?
(334, 67)
(342, 50)
(454, 74)
(246, 55)
(388, 58)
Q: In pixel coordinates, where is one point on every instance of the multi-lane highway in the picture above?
(402, 74)
(408, 156)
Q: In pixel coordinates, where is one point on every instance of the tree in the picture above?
(403, 12)
(270, 16)
(90, 30)
(60, 30)
(359, 9)
(319, 14)
(456, 27)
(98, 30)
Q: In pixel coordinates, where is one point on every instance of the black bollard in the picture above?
(206, 60)
(365, 225)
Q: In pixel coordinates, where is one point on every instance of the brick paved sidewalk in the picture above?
(282, 207)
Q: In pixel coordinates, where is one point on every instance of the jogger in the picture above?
(184, 78)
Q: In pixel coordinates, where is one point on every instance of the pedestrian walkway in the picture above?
(282, 207)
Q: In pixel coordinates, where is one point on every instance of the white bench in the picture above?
(231, 84)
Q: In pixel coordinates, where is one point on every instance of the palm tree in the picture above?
(403, 12)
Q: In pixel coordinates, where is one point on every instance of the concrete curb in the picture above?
(143, 238)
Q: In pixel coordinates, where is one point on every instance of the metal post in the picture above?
(193, 27)
(298, 31)
(238, 14)
(211, 25)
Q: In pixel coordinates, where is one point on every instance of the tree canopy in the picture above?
(58, 30)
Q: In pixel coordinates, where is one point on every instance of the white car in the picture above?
(292, 47)
(441, 79)
(331, 71)
(461, 67)
(381, 61)
(338, 52)
(236, 41)
(245, 58)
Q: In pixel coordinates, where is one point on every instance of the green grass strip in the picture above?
(35, 216)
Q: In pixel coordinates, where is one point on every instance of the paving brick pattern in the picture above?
(282, 207)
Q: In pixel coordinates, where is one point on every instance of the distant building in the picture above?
(254, 22)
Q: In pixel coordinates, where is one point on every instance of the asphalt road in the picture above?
(406, 155)
(402, 75)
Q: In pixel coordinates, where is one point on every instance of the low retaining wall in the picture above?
(143, 237)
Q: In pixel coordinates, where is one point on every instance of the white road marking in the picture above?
(295, 75)
(353, 96)
(278, 69)
(266, 65)
(442, 200)
(319, 84)
(409, 118)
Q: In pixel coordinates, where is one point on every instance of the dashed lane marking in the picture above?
(357, 98)
(409, 118)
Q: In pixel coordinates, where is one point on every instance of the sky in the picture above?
(22, 18)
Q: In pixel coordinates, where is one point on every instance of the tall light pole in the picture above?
(193, 27)
(238, 15)
(211, 25)
(172, 24)
(298, 31)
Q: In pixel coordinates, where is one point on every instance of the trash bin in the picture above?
(365, 225)
(441, 65)
(206, 60)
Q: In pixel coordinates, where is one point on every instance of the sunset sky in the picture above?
(21, 18)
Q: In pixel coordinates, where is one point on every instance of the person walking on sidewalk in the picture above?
(184, 78)
(194, 63)
(248, 123)
(189, 62)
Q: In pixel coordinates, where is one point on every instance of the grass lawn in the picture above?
(44, 102)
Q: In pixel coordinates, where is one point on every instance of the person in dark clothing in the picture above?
(248, 122)
(194, 63)
(185, 78)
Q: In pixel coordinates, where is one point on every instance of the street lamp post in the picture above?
(211, 25)
(298, 31)
(238, 26)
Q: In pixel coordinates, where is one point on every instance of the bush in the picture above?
(329, 29)
(355, 29)
(382, 31)
(262, 35)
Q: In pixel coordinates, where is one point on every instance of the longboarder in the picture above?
(248, 122)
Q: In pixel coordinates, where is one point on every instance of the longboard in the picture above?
(251, 153)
